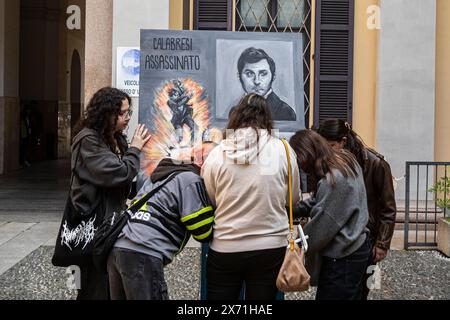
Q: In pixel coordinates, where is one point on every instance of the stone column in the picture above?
(98, 51)
(2, 47)
(442, 132)
(9, 85)
(365, 73)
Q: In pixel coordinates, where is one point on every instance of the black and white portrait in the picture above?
(262, 67)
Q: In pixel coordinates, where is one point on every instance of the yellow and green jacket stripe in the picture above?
(200, 223)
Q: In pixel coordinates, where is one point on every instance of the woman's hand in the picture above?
(379, 254)
(141, 137)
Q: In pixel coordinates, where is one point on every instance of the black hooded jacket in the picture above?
(167, 166)
(100, 177)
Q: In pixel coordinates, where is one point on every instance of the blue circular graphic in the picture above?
(131, 61)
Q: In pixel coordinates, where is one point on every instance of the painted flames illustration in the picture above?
(166, 141)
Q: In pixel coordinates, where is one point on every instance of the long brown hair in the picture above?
(252, 111)
(318, 159)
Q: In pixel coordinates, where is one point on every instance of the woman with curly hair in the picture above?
(103, 168)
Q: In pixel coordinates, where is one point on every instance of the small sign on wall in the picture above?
(127, 75)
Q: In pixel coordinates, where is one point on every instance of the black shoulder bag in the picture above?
(111, 227)
(74, 241)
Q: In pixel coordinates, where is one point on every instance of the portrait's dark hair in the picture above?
(317, 158)
(336, 130)
(253, 55)
(252, 111)
(101, 114)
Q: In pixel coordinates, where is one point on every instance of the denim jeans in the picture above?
(136, 276)
(341, 279)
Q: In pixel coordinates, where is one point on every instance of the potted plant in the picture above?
(441, 190)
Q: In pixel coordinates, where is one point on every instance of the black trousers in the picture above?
(136, 276)
(94, 284)
(341, 279)
(226, 274)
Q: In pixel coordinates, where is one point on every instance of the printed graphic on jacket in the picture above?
(165, 223)
(82, 234)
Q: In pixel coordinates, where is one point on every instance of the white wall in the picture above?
(406, 95)
(129, 17)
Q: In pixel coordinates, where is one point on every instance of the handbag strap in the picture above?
(72, 171)
(76, 147)
(291, 216)
(133, 208)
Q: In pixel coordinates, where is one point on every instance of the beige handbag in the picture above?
(293, 275)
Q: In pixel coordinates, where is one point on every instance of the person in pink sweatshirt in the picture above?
(246, 179)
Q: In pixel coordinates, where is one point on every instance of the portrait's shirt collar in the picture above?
(268, 93)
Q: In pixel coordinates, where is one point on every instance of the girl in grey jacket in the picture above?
(338, 237)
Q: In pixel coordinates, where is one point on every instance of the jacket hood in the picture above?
(167, 166)
(85, 132)
(82, 134)
(244, 145)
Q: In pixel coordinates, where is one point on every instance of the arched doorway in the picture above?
(41, 73)
(75, 90)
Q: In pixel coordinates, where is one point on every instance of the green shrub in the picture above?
(441, 190)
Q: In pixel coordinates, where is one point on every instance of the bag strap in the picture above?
(291, 237)
(138, 204)
(77, 147)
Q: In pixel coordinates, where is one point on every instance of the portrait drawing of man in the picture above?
(257, 72)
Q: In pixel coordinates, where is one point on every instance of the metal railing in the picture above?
(426, 201)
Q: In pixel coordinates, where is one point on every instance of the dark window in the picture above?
(333, 96)
(271, 15)
(213, 14)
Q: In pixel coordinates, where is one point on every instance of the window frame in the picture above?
(273, 4)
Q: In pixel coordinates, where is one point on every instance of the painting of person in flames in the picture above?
(182, 111)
